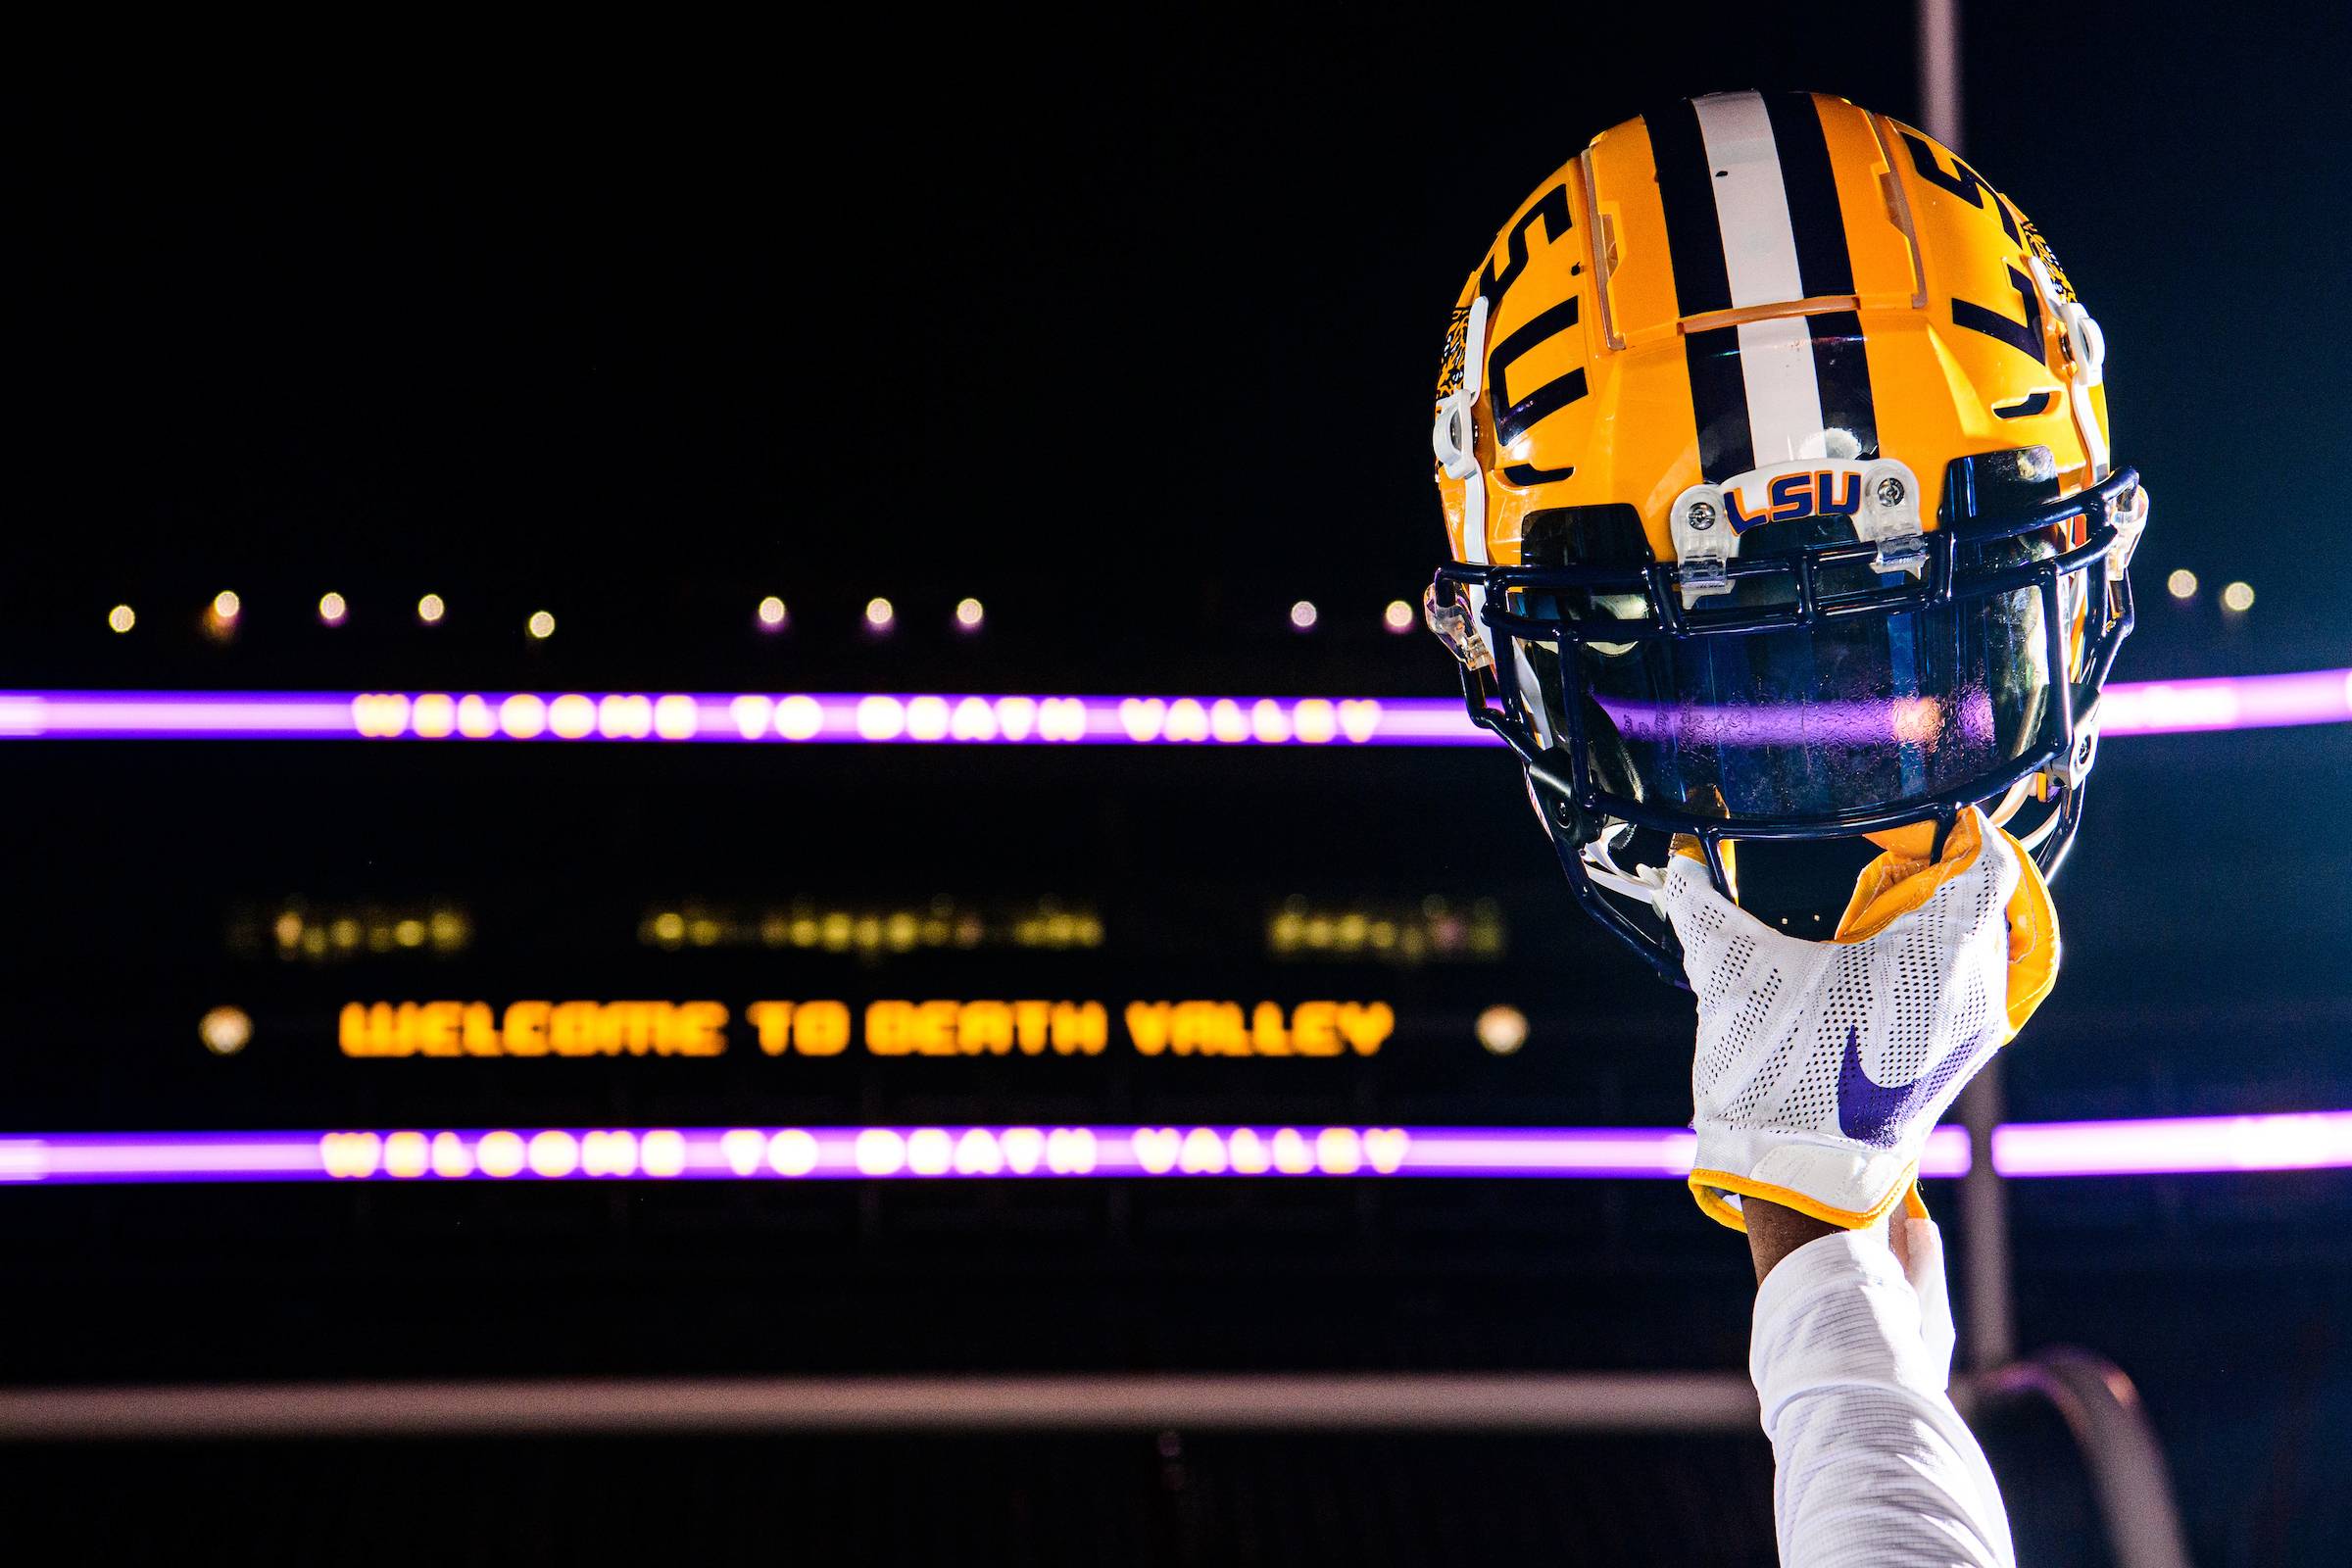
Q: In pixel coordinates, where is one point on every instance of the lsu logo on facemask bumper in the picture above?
(1788, 497)
(1878, 499)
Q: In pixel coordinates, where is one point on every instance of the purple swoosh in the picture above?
(1870, 1112)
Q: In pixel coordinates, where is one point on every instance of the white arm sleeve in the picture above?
(1851, 1361)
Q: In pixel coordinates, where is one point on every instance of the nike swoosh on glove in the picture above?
(1823, 1065)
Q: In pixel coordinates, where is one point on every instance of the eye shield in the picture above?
(1806, 691)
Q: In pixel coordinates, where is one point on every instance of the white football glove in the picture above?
(1823, 1065)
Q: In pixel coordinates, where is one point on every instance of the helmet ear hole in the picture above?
(1564, 820)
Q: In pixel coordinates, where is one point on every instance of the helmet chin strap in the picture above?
(2011, 803)
(1644, 883)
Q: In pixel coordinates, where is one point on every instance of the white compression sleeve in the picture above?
(1851, 1361)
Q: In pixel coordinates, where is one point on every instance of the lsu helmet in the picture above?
(1773, 449)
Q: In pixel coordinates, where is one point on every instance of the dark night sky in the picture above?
(1130, 312)
(1098, 320)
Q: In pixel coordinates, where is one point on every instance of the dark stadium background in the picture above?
(1129, 332)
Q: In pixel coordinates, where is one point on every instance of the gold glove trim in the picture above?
(1709, 1185)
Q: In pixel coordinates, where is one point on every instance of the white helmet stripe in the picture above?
(1759, 255)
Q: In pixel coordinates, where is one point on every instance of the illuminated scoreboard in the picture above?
(420, 1015)
(457, 942)
(938, 1027)
(443, 1046)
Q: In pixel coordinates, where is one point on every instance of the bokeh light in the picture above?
(430, 610)
(771, 613)
(1502, 1030)
(2181, 584)
(541, 625)
(1303, 614)
(968, 614)
(2237, 598)
(1399, 616)
(122, 619)
(219, 623)
(224, 1031)
(879, 613)
(332, 608)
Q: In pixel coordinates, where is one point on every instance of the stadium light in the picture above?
(221, 616)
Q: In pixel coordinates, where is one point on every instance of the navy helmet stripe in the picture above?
(1685, 190)
(1719, 397)
(1823, 261)
(1841, 370)
(1702, 283)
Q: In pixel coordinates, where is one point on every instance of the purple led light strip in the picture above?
(2178, 1145)
(2141, 707)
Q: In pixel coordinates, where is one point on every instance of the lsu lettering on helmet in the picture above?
(1773, 456)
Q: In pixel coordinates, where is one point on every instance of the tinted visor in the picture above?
(1860, 713)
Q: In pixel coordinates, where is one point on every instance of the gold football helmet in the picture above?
(1773, 447)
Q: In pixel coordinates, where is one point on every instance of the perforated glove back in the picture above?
(1822, 1065)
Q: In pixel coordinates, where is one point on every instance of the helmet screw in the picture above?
(1890, 491)
(1702, 516)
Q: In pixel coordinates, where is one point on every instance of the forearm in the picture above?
(1873, 1464)
(1774, 1232)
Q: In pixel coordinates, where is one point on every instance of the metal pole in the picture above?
(1988, 1324)
(1989, 1317)
(2101, 1409)
(2118, 1447)
(1940, 69)
(1608, 1401)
